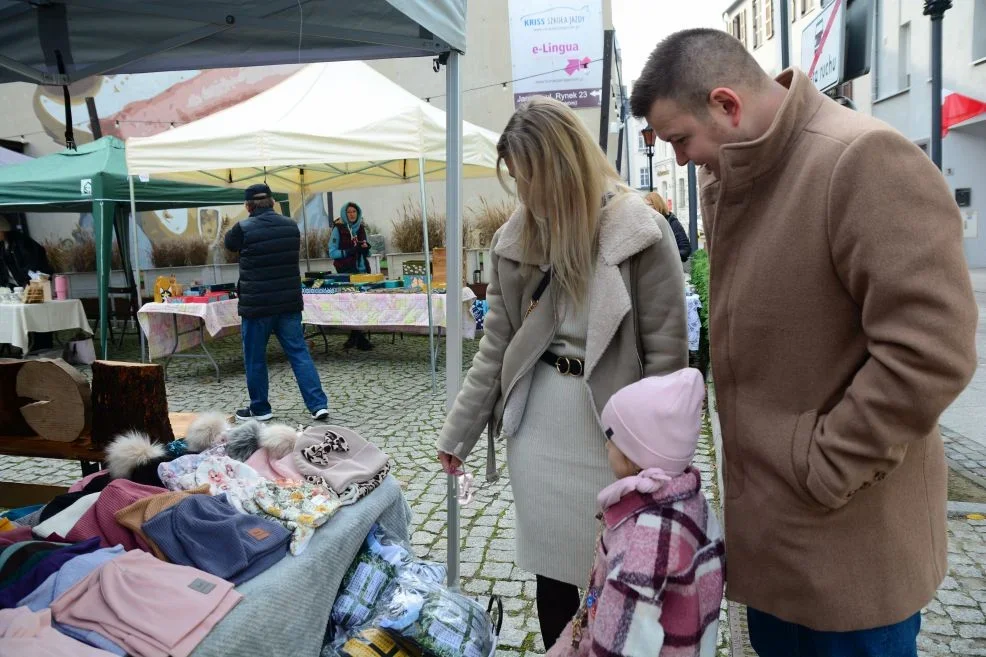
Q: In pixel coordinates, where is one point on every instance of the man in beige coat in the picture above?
(842, 323)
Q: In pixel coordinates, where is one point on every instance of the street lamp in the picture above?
(648, 135)
(936, 9)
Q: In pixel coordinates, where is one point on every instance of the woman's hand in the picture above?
(450, 464)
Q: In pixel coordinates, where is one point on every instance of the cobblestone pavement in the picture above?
(386, 395)
(965, 456)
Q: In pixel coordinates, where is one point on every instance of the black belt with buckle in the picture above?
(564, 364)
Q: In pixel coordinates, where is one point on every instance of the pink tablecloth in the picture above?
(375, 312)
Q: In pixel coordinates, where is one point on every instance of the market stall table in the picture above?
(18, 320)
(173, 328)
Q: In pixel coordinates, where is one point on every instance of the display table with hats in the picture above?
(182, 549)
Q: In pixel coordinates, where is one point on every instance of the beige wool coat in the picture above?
(842, 324)
(637, 324)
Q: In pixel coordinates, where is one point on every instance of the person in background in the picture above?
(656, 201)
(270, 301)
(19, 254)
(842, 324)
(586, 295)
(349, 251)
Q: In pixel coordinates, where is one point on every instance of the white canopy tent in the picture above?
(298, 136)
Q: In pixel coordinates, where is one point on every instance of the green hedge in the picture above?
(700, 281)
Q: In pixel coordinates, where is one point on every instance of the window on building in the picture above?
(755, 16)
(904, 57)
(682, 195)
(644, 177)
(664, 190)
(807, 6)
(641, 146)
(768, 18)
(979, 31)
(741, 28)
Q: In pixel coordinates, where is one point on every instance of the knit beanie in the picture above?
(208, 533)
(337, 457)
(656, 421)
(100, 519)
(134, 516)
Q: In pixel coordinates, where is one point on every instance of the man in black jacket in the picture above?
(270, 301)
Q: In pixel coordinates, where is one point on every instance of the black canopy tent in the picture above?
(55, 42)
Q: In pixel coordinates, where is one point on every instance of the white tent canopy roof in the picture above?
(331, 126)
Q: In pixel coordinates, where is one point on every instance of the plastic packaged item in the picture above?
(441, 622)
(371, 577)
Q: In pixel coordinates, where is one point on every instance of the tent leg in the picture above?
(102, 272)
(304, 221)
(135, 258)
(453, 300)
(431, 319)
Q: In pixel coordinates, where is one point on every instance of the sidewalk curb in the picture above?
(963, 509)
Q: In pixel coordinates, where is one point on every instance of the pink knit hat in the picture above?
(656, 421)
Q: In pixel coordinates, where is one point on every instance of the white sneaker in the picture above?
(321, 414)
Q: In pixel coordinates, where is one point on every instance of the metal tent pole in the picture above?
(135, 256)
(431, 319)
(304, 220)
(453, 301)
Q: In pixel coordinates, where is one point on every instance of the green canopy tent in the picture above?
(94, 179)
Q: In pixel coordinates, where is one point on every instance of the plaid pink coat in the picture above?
(656, 586)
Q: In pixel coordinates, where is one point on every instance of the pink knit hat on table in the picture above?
(656, 421)
(100, 519)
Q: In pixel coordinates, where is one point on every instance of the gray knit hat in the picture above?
(337, 457)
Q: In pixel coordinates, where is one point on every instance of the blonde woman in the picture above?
(586, 296)
(655, 200)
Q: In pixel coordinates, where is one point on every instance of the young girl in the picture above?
(656, 586)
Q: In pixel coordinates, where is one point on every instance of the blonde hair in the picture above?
(562, 176)
(656, 201)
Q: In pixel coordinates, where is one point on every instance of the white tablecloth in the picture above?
(16, 320)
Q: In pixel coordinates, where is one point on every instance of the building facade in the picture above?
(898, 88)
(670, 180)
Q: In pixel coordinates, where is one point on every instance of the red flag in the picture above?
(956, 108)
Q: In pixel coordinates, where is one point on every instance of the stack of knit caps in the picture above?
(134, 516)
(330, 456)
(27, 565)
(208, 533)
(147, 606)
(100, 519)
(25, 633)
(64, 579)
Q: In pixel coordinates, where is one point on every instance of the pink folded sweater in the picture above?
(151, 608)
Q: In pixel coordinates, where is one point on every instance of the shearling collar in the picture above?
(741, 163)
(627, 226)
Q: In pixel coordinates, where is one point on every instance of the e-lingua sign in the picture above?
(823, 45)
(556, 48)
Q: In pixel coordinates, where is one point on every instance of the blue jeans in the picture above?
(287, 327)
(772, 637)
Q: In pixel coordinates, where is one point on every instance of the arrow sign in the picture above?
(596, 93)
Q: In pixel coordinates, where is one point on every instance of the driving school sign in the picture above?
(823, 45)
(556, 50)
